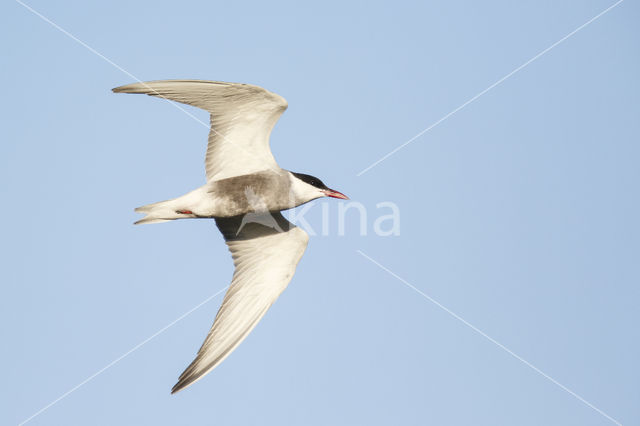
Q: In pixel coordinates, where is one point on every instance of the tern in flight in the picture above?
(244, 193)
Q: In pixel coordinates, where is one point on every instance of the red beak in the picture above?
(335, 194)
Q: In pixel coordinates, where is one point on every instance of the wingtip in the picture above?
(178, 387)
(130, 88)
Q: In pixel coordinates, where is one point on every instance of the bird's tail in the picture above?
(162, 211)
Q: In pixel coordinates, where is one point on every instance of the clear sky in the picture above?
(518, 214)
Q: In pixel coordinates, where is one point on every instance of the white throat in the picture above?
(301, 192)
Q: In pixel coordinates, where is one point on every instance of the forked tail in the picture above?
(162, 211)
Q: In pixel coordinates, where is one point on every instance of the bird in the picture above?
(245, 194)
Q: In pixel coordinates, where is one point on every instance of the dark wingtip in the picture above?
(177, 387)
(123, 89)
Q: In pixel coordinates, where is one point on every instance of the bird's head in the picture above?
(307, 188)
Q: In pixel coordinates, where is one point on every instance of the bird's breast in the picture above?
(256, 192)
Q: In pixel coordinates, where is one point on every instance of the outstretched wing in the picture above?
(242, 116)
(265, 260)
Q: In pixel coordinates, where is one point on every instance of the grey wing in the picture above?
(242, 116)
(265, 256)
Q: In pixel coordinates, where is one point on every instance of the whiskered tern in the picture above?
(245, 193)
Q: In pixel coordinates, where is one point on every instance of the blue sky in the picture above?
(518, 214)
